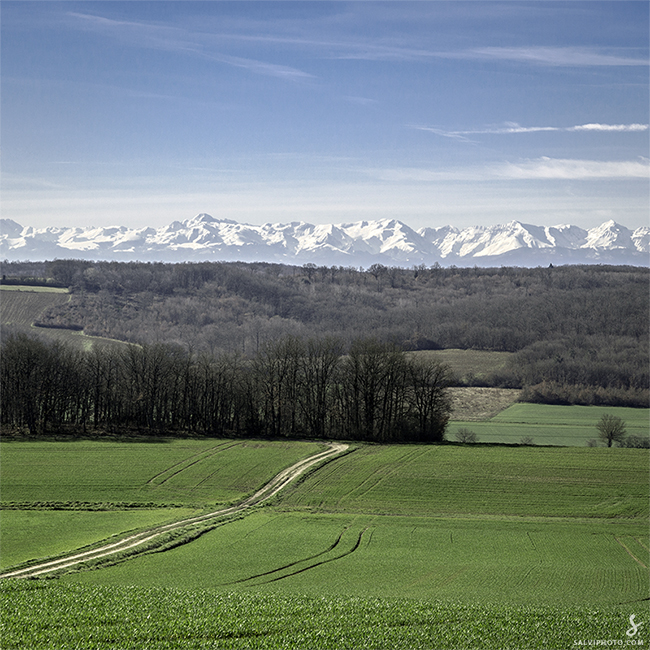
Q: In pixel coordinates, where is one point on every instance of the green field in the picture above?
(35, 615)
(552, 425)
(29, 534)
(405, 546)
(176, 472)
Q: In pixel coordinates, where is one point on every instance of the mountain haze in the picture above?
(362, 243)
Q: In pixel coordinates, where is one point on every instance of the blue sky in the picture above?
(432, 112)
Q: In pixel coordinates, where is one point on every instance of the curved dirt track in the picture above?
(270, 489)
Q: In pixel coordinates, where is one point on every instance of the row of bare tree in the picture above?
(292, 387)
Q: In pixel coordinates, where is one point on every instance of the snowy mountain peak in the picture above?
(361, 243)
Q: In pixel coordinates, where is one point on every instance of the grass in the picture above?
(176, 472)
(552, 425)
(480, 480)
(22, 305)
(82, 617)
(473, 524)
(468, 364)
(468, 559)
(29, 534)
(405, 546)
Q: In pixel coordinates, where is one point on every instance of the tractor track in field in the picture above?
(184, 464)
(313, 565)
(269, 490)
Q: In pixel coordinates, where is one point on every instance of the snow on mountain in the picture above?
(641, 239)
(361, 243)
(609, 235)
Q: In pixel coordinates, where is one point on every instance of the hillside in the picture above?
(583, 327)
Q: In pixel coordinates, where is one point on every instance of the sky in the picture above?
(434, 113)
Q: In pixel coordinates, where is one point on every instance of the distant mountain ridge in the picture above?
(363, 243)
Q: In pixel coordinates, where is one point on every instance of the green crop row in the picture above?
(481, 480)
(44, 616)
(174, 472)
(470, 559)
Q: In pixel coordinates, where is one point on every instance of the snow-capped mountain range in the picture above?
(363, 243)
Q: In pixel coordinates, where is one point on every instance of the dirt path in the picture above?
(270, 489)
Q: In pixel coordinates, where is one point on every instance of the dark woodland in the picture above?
(276, 350)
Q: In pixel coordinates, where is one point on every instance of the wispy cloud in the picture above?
(534, 169)
(183, 41)
(514, 128)
(541, 56)
(347, 48)
(609, 127)
(568, 169)
(555, 56)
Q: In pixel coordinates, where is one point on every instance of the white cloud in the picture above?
(568, 169)
(514, 128)
(609, 127)
(182, 41)
(555, 56)
(535, 169)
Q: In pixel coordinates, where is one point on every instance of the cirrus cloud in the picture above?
(568, 169)
(514, 128)
(543, 169)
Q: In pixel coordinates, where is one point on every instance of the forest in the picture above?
(289, 389)
(579, 334)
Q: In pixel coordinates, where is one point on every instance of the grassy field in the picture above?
(20, 307)
(406, 546)
(103, 618)
(468, 364)
(551, 425)
(176, 472)
(30, 534)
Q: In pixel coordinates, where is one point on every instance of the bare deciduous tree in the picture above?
(611, 429)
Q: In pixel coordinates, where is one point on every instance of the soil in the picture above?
(477, 404)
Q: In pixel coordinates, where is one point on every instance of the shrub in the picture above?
(636, 441)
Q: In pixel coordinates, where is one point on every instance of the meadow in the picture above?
(548, 424)
(21, 304)
(468, 365)
(404, 546)
(170, 472)
(20, 307)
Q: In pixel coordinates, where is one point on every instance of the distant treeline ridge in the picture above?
(579, 333)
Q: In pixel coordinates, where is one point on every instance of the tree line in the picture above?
(579, 334)
(291, 388)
